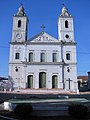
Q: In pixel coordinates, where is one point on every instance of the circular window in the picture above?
(67, 36)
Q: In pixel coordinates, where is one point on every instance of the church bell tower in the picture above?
(20, 23)
(65, 26)
(68, 49)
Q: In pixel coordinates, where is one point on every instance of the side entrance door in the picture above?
(54, 81)
(30, 81)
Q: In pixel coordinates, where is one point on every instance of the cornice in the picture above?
(42, 63)
(43, 43)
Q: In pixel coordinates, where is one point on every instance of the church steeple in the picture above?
(21, 12)
(65, 11)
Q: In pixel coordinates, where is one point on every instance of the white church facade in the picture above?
(43, 62)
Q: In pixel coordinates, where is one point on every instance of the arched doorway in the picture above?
(54, 81)
(42, 80)
(30, 81)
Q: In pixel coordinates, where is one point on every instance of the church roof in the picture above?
(43, 37)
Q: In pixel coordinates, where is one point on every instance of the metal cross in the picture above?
(21, 4)
(69, 82)
(63, 4)
(42, 27)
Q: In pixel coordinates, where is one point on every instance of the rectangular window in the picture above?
(54, 57)
(42, 57)
(30, 57)
(17, 55)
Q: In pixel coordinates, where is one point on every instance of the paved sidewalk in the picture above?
(1, 106)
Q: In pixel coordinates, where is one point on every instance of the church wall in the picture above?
(47, 49)
(62, 31)
(20, 77)
(15, 21)
(49, 70)
(16, 76)
(17, 49)
(32, 70)
(71, 65)
(19, 30)
(11, 53)
(71, 75)
(72, 50)
(61, 22)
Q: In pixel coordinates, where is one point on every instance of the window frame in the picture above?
(42, 57)
(19, 23)
(31, 58)
(68, 56)
(17, 55)
(66, 24)
(54, 58)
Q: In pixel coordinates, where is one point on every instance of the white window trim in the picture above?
(43, 51)
(70, 55)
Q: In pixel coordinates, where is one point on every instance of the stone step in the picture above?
(52, 91)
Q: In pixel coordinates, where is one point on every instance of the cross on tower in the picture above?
(42, 27)
(21, 4)
(69, 81)
(63, 4)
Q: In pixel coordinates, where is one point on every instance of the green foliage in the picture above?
(78, 111)
(23, 110)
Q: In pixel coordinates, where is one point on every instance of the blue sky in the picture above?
(46, 12)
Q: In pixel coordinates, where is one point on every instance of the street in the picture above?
(6, 96)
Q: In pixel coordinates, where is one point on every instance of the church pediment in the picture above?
(43, 37)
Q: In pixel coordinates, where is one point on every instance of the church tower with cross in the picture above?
(43, 63)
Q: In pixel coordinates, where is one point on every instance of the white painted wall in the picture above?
(48, 44)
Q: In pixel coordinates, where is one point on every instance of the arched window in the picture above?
(67, 56)
(66, 24)
(19, 23)
(17, 55)
(42, 80)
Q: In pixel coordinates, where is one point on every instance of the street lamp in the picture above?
(16, 69)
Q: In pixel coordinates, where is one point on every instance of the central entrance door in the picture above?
(30, 81)
(54, 81)
(42, 80)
